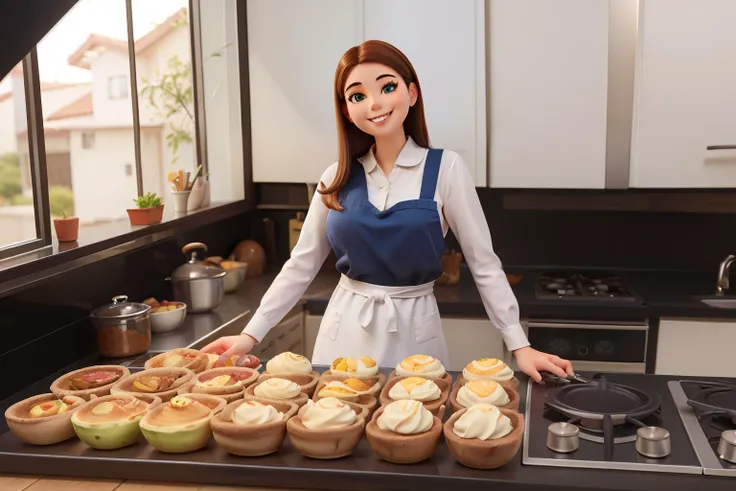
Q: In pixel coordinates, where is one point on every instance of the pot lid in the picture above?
(194, 269)
(120, 308)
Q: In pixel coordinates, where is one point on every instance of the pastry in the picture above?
(433, 393)
(251, 428)
(484, 436)
(245, 361)
(111, 422)
(44, 419)
(227, 382)
(307, 381)
(288, 362)
(491, 369)
(277, 389)
(348, 389)
(326, 429)
(354, 367)
(404, 432)
(192, 359)
(182, 424)
(160, 382)
(85, 382)
(421, 366)
(483, 391)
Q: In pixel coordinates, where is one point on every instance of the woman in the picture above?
(385, 207)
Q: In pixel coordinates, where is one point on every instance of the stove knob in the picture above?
(583, 350)
(653, 442)
(727, 446)
(563, 437)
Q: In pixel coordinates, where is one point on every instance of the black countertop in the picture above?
(362, 470)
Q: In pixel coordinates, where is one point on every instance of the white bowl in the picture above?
(162, 322)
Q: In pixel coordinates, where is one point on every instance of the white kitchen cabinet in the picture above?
(696, 347)
(548, 91)
(445, 42)
(685, 95)
(294, 48)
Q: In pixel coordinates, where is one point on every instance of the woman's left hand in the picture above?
(531, 362)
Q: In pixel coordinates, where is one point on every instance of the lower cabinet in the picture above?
(288, 335)
(696, 347)
(467, 339)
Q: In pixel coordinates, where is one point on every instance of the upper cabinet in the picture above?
(685, 95)
(445, 42)
(548, 90)
(294, 48)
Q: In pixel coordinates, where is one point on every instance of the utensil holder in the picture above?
(180, 200)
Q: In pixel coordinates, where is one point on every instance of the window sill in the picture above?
(100, 241)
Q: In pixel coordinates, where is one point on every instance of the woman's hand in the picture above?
(531, 362)
(228, 346)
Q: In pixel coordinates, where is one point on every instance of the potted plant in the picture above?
(67, 228)
(150, 210)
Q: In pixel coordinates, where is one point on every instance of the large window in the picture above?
(127, 93)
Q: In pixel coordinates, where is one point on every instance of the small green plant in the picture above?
(149, 200)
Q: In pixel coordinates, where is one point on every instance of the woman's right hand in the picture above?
(228, 346)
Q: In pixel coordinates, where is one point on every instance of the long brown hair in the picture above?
(351, 141)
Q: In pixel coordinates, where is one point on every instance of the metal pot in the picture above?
(123, 328)
(199, 286)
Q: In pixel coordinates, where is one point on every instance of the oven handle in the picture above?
(608, 327)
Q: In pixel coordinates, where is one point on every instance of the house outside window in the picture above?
(88, 140)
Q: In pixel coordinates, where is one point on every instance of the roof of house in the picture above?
(97, 43)
(78, 107)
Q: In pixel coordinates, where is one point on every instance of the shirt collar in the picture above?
(411, 155)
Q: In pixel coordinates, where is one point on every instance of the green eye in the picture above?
(389, 87)
(357, 97)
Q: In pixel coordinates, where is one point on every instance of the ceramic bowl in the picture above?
(44, 430)
(127, 385)
(193, 359)
(432, 406)
(308, 381)
(324, 444)
(403, 449)
(250, 394)
(485, 454)
(181, 438)
(512, 404)
(251, 440)
(83, 382)
(163, 322)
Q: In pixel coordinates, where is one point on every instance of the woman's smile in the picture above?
(380, 119)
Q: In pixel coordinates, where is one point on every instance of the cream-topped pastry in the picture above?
(406, 417)
(488, 368)
(256, 413)
(357, 367)
(424, 365)
(482, 391)
(327, 414)
(288, 362)
(277, 388)
(349, 388)
(484, 422)
(416, 388)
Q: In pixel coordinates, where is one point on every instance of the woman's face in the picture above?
(377, 99)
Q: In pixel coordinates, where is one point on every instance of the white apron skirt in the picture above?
(386, 323)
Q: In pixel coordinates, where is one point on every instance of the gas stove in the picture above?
(616, 421)
(583, 285)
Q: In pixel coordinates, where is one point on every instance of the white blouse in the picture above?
(460, 210)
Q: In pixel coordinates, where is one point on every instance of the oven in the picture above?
(597, 346)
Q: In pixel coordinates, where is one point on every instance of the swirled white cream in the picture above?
(488, 368)
(288, 362)
(277, 388)
(406, 417)
(339, 389)
(484, 422)
(416, 388)
(327, 414)
(422, 365)
(356, 367)
(482, 391)
(256, 413)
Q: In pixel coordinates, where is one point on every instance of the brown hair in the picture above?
(351, 141)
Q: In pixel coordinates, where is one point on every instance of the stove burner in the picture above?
(588, 286)
(714, 399)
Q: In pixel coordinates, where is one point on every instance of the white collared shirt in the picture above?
(460, 210)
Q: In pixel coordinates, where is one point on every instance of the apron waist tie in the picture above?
(377, 294)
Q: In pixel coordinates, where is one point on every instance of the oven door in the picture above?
(593, 345)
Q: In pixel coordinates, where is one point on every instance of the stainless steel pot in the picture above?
(199, 286)
(123, 328)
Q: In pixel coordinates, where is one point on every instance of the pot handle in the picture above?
(120, 298)
(193, 245)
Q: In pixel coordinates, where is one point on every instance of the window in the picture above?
(117, 87)
(88, 140)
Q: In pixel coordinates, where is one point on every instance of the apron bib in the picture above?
(383, 306)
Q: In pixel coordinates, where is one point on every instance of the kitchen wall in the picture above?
(46, 327)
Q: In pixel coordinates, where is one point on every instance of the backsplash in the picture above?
(47, 326)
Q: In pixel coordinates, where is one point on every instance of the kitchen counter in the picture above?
(362, 470)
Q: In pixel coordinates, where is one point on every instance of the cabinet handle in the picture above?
(721, 147)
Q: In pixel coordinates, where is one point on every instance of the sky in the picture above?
(105, 17)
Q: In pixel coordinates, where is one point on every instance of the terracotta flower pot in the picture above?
(146, 216)
(67, 229)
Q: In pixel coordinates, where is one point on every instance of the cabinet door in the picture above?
(696, 348)
(445, 42)
(685, 95)
(548, 93)
(293, 50)
(469, 339)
